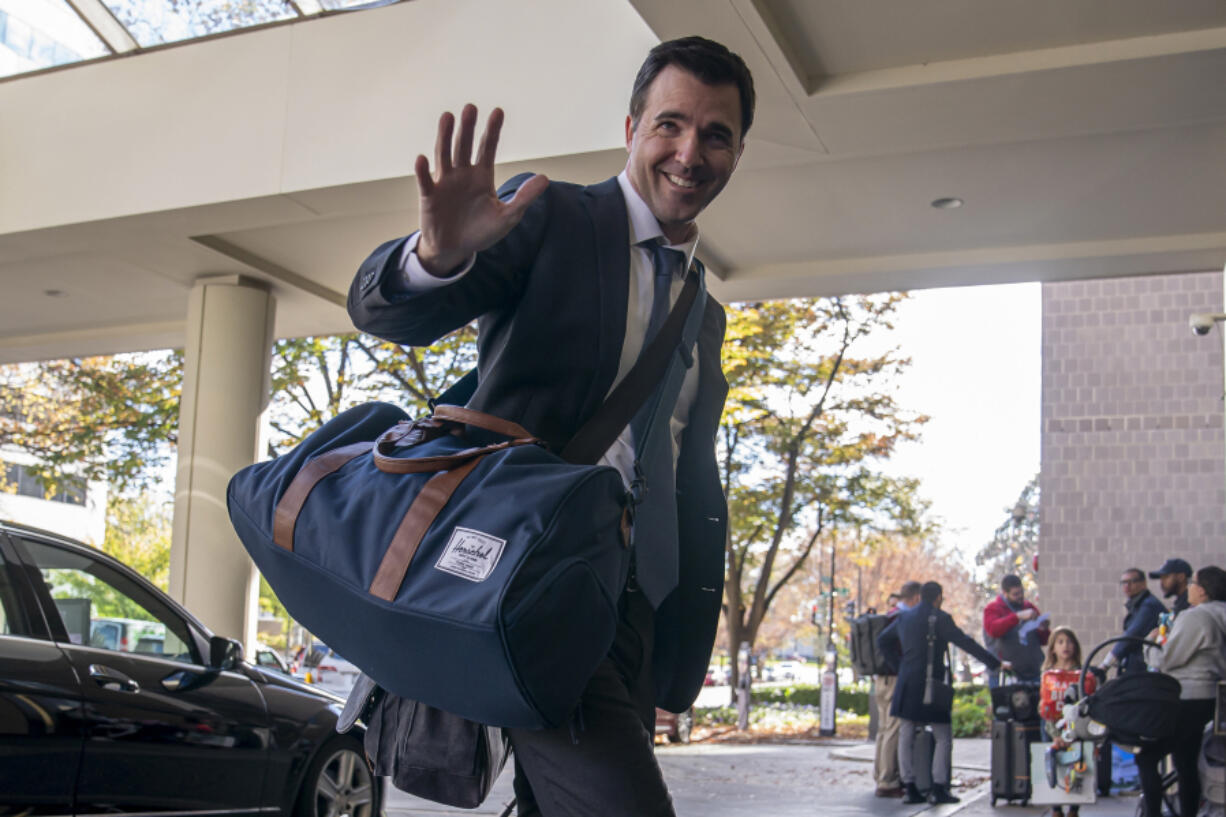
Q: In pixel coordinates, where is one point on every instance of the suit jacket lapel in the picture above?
(607, 209)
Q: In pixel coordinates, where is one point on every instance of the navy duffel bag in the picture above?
(358, 531)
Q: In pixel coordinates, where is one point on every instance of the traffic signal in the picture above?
(813, 614)
(849, 609)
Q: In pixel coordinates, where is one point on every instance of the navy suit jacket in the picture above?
(551, 301)
(909, 632)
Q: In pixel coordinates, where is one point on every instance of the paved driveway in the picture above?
(771, 780)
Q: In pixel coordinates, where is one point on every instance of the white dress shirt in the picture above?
(643, 227)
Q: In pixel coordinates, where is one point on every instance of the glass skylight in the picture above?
(38, 34)
(154, 22)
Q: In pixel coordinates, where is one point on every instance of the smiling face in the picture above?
(683, 148)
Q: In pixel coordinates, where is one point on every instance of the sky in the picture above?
(976, 372)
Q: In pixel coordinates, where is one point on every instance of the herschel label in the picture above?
(471, 554)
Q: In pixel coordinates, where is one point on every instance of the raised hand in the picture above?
(460, 210)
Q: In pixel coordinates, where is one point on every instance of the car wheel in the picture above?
(339, 782)
(685, 724)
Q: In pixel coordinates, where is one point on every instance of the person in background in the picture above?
(885, 759)
(1005, 632)
(1144, 612)
(1173, 578)
(1061, 665)
(1195, 655)
(909, 633)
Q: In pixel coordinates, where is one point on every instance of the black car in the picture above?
(114, 699)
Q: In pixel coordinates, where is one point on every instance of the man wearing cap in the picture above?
(1173, 577)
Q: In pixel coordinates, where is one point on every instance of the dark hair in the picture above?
(909, 590)
(1009, 582)
(1212, 580)
(706, 59)
(1136, 573)
(930, 592)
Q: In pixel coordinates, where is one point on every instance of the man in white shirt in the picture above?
(563, 279)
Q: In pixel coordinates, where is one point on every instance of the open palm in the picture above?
(461, 213)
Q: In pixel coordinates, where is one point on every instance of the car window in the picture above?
(103, 608)
(267, 658)
(13, 619)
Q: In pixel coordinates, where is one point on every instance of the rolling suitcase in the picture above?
(1011, 760)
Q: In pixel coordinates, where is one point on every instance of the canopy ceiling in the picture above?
(1084, 138)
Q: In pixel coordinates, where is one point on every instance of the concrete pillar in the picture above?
(225, 392)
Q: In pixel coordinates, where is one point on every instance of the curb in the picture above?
(946, 810)
(849, 754)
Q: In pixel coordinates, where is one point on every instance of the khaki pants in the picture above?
(885, 764)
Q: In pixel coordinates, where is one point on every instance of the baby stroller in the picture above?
(1131, 710)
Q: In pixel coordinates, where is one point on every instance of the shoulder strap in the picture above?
(592, 440)
(932, 641)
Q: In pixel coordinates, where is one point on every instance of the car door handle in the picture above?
(177, 681)
(107, 677)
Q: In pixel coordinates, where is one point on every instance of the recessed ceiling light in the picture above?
(948, 203)
(53, 293)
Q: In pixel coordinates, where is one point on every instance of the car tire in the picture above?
(685, 724)
(339, 782)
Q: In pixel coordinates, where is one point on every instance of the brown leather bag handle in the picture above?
(421, 514)
(458, 414)
(445, 462)
(285, 517)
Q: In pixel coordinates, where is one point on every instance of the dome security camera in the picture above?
(1202, 322)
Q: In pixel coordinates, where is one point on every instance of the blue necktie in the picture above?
(667, 264)
(655, 522)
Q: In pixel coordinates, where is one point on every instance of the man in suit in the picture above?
(910, 634)
(562, 280)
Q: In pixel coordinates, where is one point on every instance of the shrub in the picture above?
(855, 699)
(970, 719)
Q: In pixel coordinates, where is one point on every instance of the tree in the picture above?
(314, 379)
(809, 412)
(872, 570)
(1014, 545)
(138, 534)
(97, 418)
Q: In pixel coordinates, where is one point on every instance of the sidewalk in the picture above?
(791, 780)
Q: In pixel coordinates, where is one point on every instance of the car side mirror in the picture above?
(224, 653)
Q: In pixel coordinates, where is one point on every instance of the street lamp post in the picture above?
(829, 691)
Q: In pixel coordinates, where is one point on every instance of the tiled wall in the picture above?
(1133, 449)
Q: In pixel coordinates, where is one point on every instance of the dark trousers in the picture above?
(602, 763)
(1184, 749)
